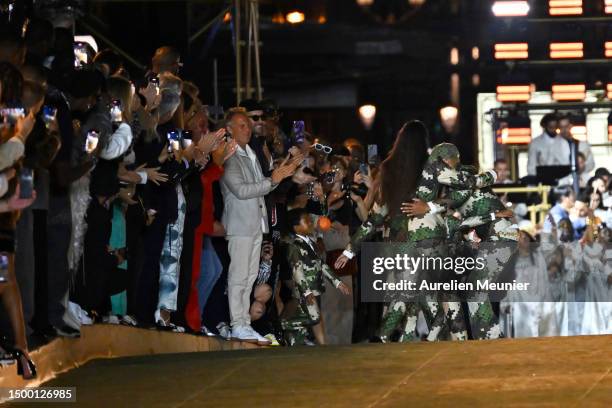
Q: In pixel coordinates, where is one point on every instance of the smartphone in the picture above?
(174, 138)
(155, 82)
(26, 182)
(372, 153)
(48, 114)
(363, 169)
(186, 138)
(92, 141)
(81, 57)
(298, 131)
(4, 267)
(116, 111)
(11, 115)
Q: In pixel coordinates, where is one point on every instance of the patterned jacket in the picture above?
(476, 212)
(450, 188)
(308, 268)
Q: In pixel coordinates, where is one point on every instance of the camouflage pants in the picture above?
(448, 319)
(483, 321)
(441, 318)
(296, 326)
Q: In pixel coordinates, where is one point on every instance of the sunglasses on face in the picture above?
(322, 148)
(257, 118)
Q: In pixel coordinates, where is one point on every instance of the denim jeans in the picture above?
(210, 271)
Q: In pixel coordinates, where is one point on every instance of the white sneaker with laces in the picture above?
(261, 340)
(242, 333)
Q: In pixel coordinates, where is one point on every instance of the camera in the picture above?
(328, 178)
(360, 189)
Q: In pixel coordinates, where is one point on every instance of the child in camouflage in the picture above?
(308, 269)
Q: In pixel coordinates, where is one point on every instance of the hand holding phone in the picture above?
(48, 114)
(298, 131)
(26, 183)
(173, 137)
(186, 138)
(81, 58)
(116, 111)
(364, 169)
(92, 141)
(4, 267)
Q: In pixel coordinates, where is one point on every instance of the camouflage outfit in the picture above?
(477, 212)
(428, 234)
(450, 188)
(308, 269)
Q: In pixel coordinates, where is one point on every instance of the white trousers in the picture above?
(245, 254)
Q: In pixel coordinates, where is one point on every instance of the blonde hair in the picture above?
(120, 88)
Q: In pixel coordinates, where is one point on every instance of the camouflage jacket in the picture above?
(476, 210)
(378, 217)
(308, 268)
(450, 188)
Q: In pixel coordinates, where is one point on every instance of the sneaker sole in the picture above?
(264, 343)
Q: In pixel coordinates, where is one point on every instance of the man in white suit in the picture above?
(245, 220)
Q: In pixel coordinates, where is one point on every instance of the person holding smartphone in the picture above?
(104, 185)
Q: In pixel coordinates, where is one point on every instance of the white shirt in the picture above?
(307, 240)
(547, 151)
(118, 143)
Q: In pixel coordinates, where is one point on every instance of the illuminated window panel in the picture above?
(608, 5)
(569, 92)
(513, 93)
(609, 133)
(514, 136)
(609, 89)
(565, 7)
(608, 46)
(566, 50)
(511, 51)
(510, 8)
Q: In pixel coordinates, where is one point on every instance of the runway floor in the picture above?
(546, 372)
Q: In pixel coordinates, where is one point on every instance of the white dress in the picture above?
(596, 316)
(529, 317)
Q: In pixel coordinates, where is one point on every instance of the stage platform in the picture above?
(109, 341)
(546, 372)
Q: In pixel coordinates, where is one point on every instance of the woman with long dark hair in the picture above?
(395, 184)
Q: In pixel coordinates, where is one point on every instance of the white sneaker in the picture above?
(128, 320)
(224, 331)
(110, 319)
(242, 333)
(261, 340)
